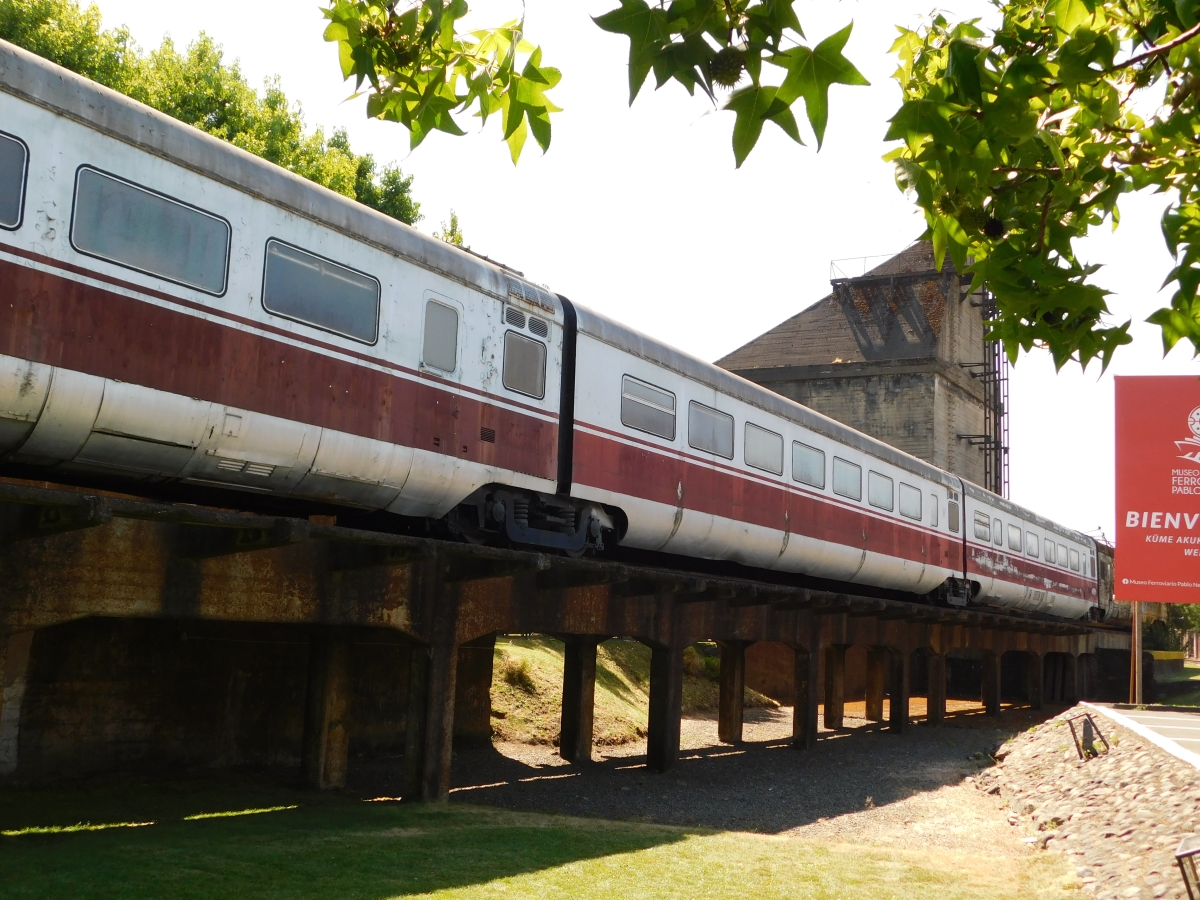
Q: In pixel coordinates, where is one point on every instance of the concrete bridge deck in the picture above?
(69, 555)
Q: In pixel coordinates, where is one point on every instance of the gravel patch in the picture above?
(860, 785)
(1118, 817)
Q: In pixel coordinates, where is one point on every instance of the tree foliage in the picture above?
(1019, 140)
(717, 45)
(1169, 633)
(420, 71)
(451, 233)
(199, 88)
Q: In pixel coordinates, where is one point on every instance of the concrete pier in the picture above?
(732, 699)
(578, 698)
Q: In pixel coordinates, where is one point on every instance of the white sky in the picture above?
(639, 213)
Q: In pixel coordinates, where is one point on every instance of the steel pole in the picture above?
(1135, 682)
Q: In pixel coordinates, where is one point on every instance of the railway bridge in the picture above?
(137, 631)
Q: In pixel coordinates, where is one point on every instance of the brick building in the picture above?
(896, 350)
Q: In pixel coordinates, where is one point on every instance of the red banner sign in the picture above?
(1158, 489)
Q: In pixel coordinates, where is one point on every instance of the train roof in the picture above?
(984, 496)
(31, 78)
(632, 341)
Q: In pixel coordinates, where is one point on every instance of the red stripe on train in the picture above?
(1028, 573)
(642, 471)
(60, 322)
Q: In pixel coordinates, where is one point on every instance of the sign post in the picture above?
(1135, 657)
(1158, 498)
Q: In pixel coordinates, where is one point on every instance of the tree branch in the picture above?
(1039, 170)
(1161, 48)
(1041, 239)
(1141, 32)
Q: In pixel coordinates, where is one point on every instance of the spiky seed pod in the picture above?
(994, 228)
(973, 219)
(1139, 155)
(725, 69)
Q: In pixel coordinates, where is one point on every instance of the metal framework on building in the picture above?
(993, 372)
(847, 274)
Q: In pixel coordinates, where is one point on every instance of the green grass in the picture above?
(224, 840)
(1178, 696)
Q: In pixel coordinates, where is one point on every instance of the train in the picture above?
(176, 310)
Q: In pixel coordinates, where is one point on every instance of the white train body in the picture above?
(172, 308)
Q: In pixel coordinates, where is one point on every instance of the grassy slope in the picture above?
(527, 690)
(1180, 697)
(272, 842)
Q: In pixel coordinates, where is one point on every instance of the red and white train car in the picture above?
(175, 309)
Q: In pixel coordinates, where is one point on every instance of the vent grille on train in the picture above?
(487, 435)
(263, 470)
(530, 294)
(514, 317)
(539, 326)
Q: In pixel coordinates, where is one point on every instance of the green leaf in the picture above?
(1070, 14)
(811, 72)
(516, 140)
(963, 69)
(918, 119)
(646, 28)
(785, 120)
(346, 61)
(751, 105)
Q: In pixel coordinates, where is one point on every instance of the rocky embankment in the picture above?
(1119, 816)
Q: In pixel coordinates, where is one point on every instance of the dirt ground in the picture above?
(861, 784)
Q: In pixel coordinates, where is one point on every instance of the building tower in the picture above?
(896, 350)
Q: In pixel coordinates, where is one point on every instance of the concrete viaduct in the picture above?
(69, 554)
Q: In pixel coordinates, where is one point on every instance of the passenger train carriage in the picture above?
(175, 309)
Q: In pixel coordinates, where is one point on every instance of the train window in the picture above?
(307, 288)
(134, 227)
(14, 163)
(647, 408)
(1049, 551)
(1092, 566)
(910, 501)
(847, 479)
(1014, 538)
(933, 510)
(524, 365)
(1074, 560)
(1062, 555)
(880, 491)
(952, 513)
(710, 430)
(763, 449)
(440, 347)
(808, 465)
(983, 527)
(997, 532)
(1031, 544)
